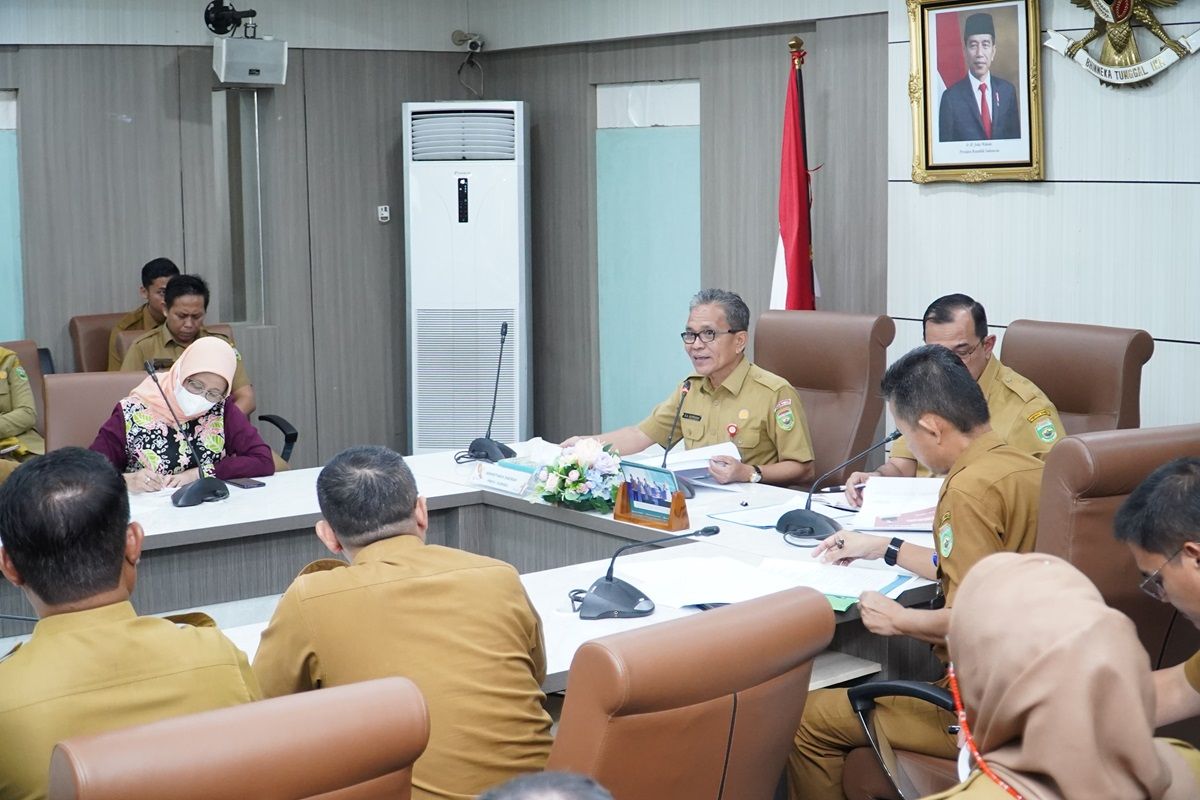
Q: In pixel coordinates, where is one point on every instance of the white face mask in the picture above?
(192, 405)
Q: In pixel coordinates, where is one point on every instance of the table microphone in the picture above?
(486, 448)
(204, 490)
(808, 524)
(613, 598)
(684, 485)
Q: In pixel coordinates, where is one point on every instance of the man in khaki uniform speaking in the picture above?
(1020, 412)
(93, 664)
(1160, 522)
(458, 625)
(18, 414)
(987, 504)
(150, 314)
(728, 399)
(186, 304)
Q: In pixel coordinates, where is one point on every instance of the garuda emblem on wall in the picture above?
(1120, 62)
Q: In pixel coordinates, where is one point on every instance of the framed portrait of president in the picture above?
(975, 90)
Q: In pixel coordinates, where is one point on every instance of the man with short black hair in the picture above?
(1160, 522)
(458, 625)
(1020, 413)
(980, 106)
(727, 399)
(186, 302)
(92, 664)
(987, 504)
(549, 786)
(156, 273)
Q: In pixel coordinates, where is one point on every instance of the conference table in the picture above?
(235, 556)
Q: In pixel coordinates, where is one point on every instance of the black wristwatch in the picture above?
(893, 551)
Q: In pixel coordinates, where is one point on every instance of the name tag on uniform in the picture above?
(695, 417)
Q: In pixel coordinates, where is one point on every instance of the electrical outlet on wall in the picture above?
(384, 213)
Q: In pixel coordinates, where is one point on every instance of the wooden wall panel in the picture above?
(561, 112)
(354, 160)
(100, 188)
(845, 83)
(285, 372)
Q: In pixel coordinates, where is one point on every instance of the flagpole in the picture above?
(796, 45)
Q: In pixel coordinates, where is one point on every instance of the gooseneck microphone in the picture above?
(204, 490)
(613, 598)
(808, 524)
(684, 388)
(486, 448)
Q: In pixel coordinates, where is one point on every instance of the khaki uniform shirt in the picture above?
(18, 414)
(1191, 669)
(103, 669)
(140, 319)
(987, 504)
(1020, 412)
(458, 625)
(757, 410)
(158, 344)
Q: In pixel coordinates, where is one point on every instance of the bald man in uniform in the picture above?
(187, 303)
(156, 273)
(458, 625)
(1160, 522)
(1020, 412)
(92, 664)
(987, 504)
(728, 399)
(18, 414)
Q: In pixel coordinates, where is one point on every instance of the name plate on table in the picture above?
(500, 478)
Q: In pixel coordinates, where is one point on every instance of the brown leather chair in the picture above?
(89, 340)
(835, 361)
(1087, 478)
(27, 352)
(78, 403)
(126, 338)
(355, 742)
(704, 706)
(1092, 373)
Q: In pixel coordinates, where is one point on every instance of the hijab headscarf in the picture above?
(1057, 686)
(206, 354)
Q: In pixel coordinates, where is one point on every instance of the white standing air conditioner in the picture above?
(466, 232)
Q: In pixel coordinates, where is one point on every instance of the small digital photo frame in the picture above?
(649, 489)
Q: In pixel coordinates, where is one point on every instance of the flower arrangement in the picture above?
(584, 476)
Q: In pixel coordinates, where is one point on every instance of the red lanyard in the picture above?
(966, 729)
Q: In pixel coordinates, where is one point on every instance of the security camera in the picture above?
(473, 41)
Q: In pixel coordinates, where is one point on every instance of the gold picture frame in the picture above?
(1000, 138)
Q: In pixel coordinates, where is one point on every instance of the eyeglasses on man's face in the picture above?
(707, 335)
(964, 352)
(196, 387)
(1152, 584)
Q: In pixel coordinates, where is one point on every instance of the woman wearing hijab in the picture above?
(141, 439)
(1054, 690)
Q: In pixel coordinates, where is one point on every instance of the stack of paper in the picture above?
(898, 504)
(688, 581)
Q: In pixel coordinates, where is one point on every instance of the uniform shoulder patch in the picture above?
(1045, 430)
(21, 373)
(785, 418)
(945, 538)
(193, 619)
(1035, 416)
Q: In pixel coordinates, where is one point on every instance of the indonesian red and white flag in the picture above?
(794, 283)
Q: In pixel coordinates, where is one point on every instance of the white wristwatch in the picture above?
(757, 476)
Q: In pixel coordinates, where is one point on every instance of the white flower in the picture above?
(587, 451)
(552, 482)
